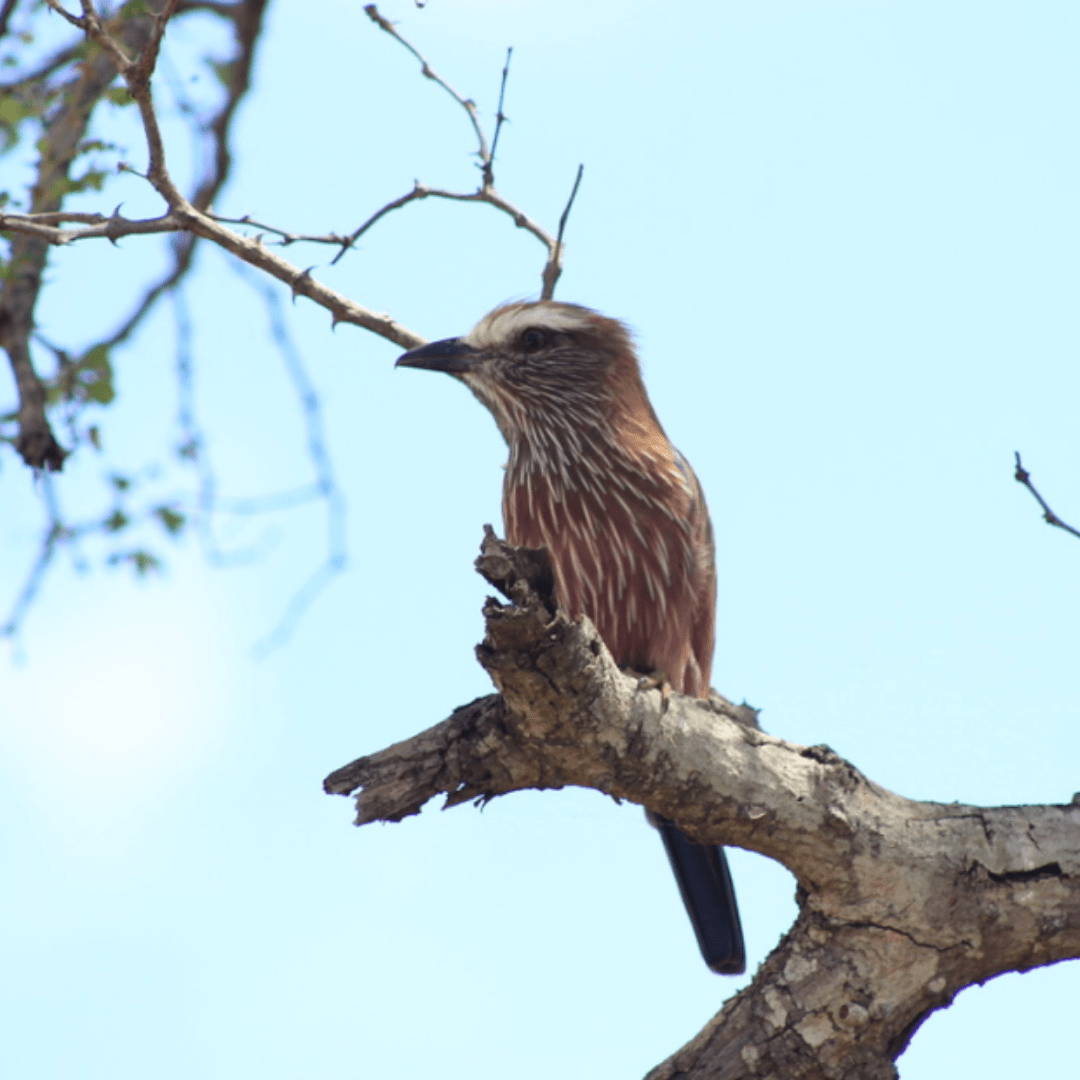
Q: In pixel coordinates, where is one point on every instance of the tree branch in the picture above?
(553, 270)
(903, 903)
(63, 133)
(429, 72)
(1021, 475)
(6, 11)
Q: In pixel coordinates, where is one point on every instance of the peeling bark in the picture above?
(902, 903)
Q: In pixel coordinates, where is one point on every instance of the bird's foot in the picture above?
(657, 681)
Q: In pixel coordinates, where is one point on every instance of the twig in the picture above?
(246, 17)
(553, 270)
(112, 227)
(1021, 475)
(428, 72)
(286, 236)
(195, 220)
(481, 195)
(55, 535)
(488, 171)
(486, 192)
(136, 74)
(418, 192)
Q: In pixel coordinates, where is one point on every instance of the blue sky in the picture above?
(846, 236)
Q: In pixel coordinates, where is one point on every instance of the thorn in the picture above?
(111, 232)
(1021, 475)
(295, 287)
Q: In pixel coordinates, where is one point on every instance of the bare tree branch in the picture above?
(5, 15)
(130, 46)
(486, 192)
(192, 218)
(428, 72)
(1021, 475)
(500, 119)
(247, 18)
(113, 227)
(553, 270)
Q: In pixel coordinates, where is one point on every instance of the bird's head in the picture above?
(541, 364)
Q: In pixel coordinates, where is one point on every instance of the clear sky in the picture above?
(846, 235)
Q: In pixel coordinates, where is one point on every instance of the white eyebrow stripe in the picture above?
(504, 324)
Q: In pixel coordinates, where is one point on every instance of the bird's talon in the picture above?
(657, 681)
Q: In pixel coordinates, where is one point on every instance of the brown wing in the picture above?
(703, 628)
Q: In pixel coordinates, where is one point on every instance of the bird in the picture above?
(592, 478)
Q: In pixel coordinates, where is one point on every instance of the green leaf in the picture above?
(87, 379)
(119, 95)
(171, 518)
(88, 145)
(116, 521)
(95, 376)
(91, 180)
(13, 109)
(225, 70)
(141, 561)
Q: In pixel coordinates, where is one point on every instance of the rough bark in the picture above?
(63, 133)
(903, 903)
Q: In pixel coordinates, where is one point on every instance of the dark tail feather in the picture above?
(705, 885)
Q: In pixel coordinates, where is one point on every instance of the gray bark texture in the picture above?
(902, 903)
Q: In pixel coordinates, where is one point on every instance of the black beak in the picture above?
(451, 355)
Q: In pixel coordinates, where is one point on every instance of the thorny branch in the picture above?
(1021, 475)
(39, 228)
(500, 119)
(486, 192)
(429, 72)
(129, 46)
(247, 18)
(194, 218)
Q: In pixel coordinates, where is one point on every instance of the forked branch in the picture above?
(1022, 476)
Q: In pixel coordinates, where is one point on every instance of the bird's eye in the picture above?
(533, 340)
